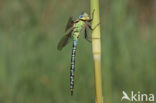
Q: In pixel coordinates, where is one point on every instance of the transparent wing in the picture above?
(69, 23)
(64, 40)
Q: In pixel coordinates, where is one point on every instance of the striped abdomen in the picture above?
(72, 68)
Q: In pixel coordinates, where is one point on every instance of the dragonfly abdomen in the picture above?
(72, 68)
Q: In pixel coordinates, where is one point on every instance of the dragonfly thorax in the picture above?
(77, 29)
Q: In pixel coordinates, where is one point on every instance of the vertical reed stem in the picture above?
(96, 49)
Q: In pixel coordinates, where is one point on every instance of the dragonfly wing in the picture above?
(87, 37)
(64, 41)
(69, 23)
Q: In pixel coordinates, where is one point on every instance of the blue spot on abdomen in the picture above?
(75, 42)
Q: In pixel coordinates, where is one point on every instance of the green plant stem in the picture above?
(96, 49)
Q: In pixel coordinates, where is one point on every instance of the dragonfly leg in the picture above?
(86, 36)
(92, 16)
(94, 27)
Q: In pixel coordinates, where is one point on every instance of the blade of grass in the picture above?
(96, 49)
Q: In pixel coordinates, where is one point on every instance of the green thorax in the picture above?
(78, 27)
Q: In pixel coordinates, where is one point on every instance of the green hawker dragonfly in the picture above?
(76, 26)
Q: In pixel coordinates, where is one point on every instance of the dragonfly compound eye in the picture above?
(81, 16)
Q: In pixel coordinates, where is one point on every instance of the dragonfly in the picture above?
(76, 28)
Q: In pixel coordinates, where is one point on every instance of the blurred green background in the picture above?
(32, 70)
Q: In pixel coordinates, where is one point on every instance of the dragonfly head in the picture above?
(84, 16)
